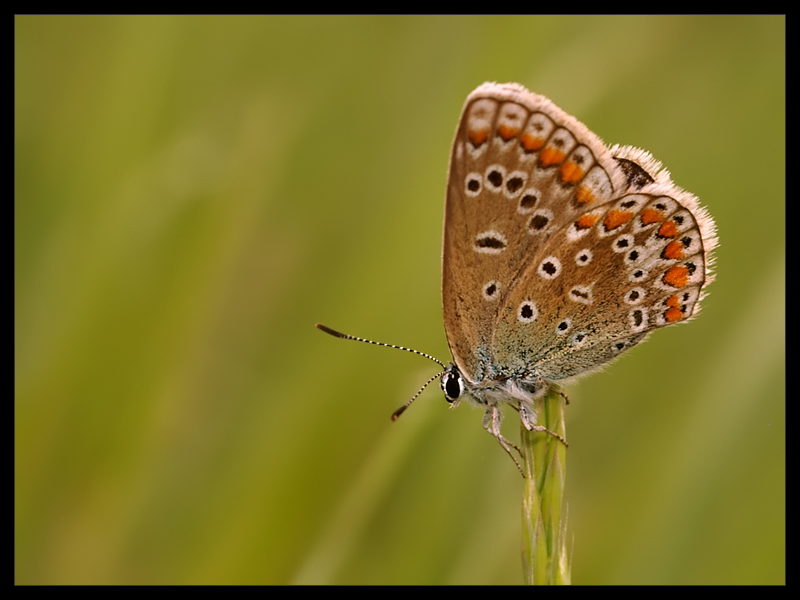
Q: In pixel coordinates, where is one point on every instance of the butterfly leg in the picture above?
(562, 394)
(529, 420)
(491, 423)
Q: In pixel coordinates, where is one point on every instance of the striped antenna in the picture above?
(344, 336)
(402, 409)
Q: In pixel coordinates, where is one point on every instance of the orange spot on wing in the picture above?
(677, 276)
(668, 230)
(586, 221)
(570, 172)
(672, 301)
(673, 250)
(651, 215)
(673, 314)
(530, 142)
(616, 218)
(478, 136)
(551, 156)
(507, 131)
(584, 195)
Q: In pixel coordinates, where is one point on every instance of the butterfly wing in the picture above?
(559, 254)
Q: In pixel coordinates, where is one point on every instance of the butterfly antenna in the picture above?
(403, 408)
(345, 336)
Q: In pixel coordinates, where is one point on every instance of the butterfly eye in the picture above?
(452, 385)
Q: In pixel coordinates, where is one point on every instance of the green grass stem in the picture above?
(544, 555)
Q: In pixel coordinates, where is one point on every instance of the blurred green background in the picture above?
(192, 194)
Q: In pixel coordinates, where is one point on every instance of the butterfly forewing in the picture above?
(520, 170)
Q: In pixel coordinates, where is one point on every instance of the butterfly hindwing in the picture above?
(598, 294)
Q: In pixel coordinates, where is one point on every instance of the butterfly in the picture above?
(559, 254)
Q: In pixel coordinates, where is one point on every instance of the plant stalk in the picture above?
(544, 554)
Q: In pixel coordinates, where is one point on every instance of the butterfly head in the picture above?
(452, 383)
